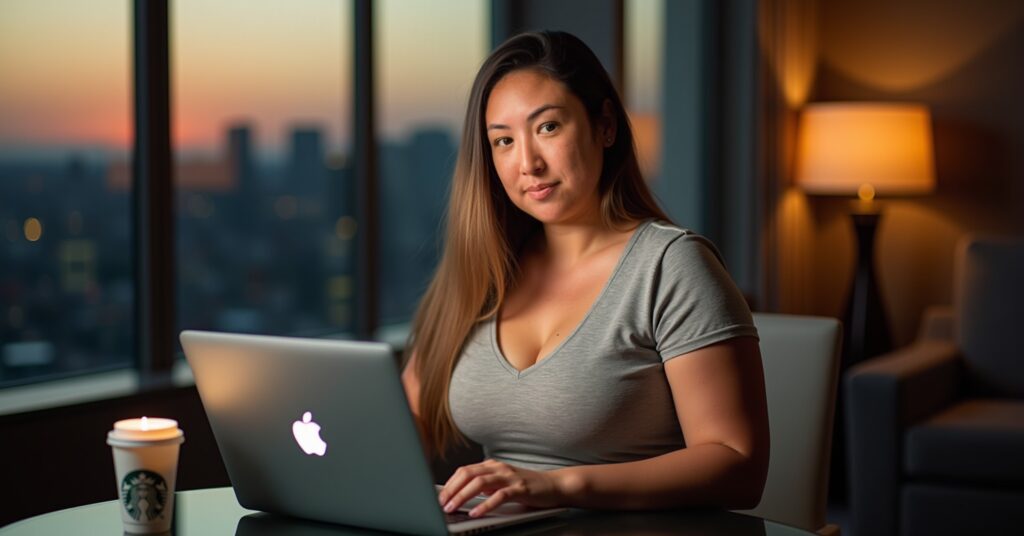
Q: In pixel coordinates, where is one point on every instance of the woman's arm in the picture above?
(719, 397)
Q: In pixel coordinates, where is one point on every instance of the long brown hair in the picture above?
(485, 230)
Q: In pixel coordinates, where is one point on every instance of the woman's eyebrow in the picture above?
(533, 115)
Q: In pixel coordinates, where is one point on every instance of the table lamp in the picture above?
(865, 149)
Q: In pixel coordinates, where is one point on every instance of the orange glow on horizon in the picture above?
(98, 132)
(66, 66)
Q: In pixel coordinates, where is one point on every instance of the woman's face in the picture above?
(547, 153)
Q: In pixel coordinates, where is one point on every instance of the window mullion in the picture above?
(367, 187)
(153, 205)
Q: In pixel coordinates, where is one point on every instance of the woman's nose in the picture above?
(530, 161)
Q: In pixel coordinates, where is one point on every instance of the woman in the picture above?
(601, 356)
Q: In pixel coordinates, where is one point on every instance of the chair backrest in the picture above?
(801, 369)
(988, 301)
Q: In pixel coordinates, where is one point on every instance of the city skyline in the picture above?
(259, 248)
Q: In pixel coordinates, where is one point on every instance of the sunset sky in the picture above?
(65, 67)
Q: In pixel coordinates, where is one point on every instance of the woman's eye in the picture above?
(549, 127)
(502, 142)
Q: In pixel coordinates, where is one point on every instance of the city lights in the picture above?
(345, 228)
(33, 229)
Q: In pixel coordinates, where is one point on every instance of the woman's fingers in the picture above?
(505, 482)
(456, 482)
(492, 502)
(470, 480)
(478, 484)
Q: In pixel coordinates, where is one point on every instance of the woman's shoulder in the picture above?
(673, 243)
(661, 230)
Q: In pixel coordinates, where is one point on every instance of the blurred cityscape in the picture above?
(264, 245)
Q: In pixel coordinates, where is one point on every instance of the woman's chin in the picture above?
(559, 219)
(557, 212)
(548, 215)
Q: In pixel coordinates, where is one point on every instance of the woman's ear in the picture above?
(607, 124)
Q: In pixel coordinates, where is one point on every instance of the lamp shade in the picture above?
(847, 147)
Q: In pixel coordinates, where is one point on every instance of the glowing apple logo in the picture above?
(307, 435)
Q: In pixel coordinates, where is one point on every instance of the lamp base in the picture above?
(865, 334)
(866, 329)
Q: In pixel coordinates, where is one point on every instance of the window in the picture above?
(264, 183)
(264, 188)
(66, 293)
(421, 101)
(676, 63)
(645, 64)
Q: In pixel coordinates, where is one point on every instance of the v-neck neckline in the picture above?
(508, 366)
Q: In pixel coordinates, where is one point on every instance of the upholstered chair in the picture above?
(935, 430)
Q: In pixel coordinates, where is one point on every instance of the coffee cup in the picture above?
(146, 464)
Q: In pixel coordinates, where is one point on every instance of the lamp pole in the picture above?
(866, 329)
(865, 334)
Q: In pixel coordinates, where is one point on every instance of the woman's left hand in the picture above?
(503, 483)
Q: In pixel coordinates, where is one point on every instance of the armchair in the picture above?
(935, 431)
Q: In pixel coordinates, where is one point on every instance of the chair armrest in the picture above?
(925, 377)
(936, 324)
(883, 396)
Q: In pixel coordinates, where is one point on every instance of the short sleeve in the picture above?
(696, 303)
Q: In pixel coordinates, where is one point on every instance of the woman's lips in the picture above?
(540, 192)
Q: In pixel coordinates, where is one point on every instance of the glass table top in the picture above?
(216, 512)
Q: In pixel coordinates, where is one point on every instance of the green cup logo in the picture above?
(144, 495)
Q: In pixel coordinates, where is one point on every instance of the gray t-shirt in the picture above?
(601, 396)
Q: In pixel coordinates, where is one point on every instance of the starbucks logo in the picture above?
(144, 495)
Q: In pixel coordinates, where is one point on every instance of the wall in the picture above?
(962, 59)
(787, 40)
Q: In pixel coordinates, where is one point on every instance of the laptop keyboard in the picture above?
(458, 517)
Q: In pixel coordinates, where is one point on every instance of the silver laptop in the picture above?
(320, 429)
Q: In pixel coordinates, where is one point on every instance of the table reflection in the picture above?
(575, 523)
(215, 512)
